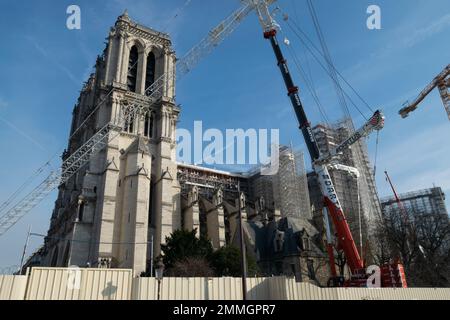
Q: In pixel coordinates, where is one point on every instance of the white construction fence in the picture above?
(119, 284)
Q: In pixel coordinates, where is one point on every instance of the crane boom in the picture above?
(129, 110)
(331, 200)
(213, 39)
(376, 122)
(441, 83)
(345, 240)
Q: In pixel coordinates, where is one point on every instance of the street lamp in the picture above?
(242, 243)
(159, 270)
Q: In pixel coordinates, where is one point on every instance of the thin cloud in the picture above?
(424, 145)
(23, 134)
(417, 163)
(61, 67)
(368, 69)
(426, 179)
(427, 32)
(3, 103)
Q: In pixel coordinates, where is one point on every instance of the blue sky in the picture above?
(43, 66)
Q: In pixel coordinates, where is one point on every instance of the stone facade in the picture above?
(117, 210)
(105, 212)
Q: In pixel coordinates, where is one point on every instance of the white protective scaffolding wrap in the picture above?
(291, 193)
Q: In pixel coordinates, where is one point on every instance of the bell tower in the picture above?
(128, 195)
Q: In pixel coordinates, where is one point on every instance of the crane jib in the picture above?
(349, 142)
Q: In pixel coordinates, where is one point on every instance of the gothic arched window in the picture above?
(148, 126)
(150, 72)
(129, 124)
(81, 211)
(132, 69)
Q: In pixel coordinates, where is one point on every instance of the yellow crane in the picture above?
(442, 82)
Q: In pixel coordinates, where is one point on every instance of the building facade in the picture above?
(104, 214)
(116, 211)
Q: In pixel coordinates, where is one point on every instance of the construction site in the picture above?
(122, 194)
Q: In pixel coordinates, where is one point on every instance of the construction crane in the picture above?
(410, 234)
(397, 199)
(442, 82)
(131, 109)
(394, 276)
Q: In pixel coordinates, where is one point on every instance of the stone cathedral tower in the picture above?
(128, 197)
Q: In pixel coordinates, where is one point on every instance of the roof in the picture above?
(293, 228)
(199, 168)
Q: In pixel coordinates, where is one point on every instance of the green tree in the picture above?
(226, 262)
(183, 244)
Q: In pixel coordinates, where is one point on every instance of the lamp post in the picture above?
(24, 250)
(242, 245)
(159, 270)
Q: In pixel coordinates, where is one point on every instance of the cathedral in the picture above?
(119, 208)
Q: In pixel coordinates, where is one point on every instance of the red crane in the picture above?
(392, 275)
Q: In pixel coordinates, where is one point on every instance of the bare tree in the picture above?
(421, 242)
(191, 267)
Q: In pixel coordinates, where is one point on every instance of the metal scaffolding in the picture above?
(359, 197)
(291, 186)
(427, 201)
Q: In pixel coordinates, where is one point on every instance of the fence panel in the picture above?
(106, 284)
(118, 284)
(12, 287)
(258, 288)
(182, 288)
(144, 289)
(225, 289)
(79, 284)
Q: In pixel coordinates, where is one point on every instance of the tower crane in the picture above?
(442, 82)
(132, 108)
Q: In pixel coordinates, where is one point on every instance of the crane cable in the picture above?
(309, 85)
(298, 32)
(324, 68)
(328, 59)
(27, 182)
(97, 106)
(177, 14)
(303, 51)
